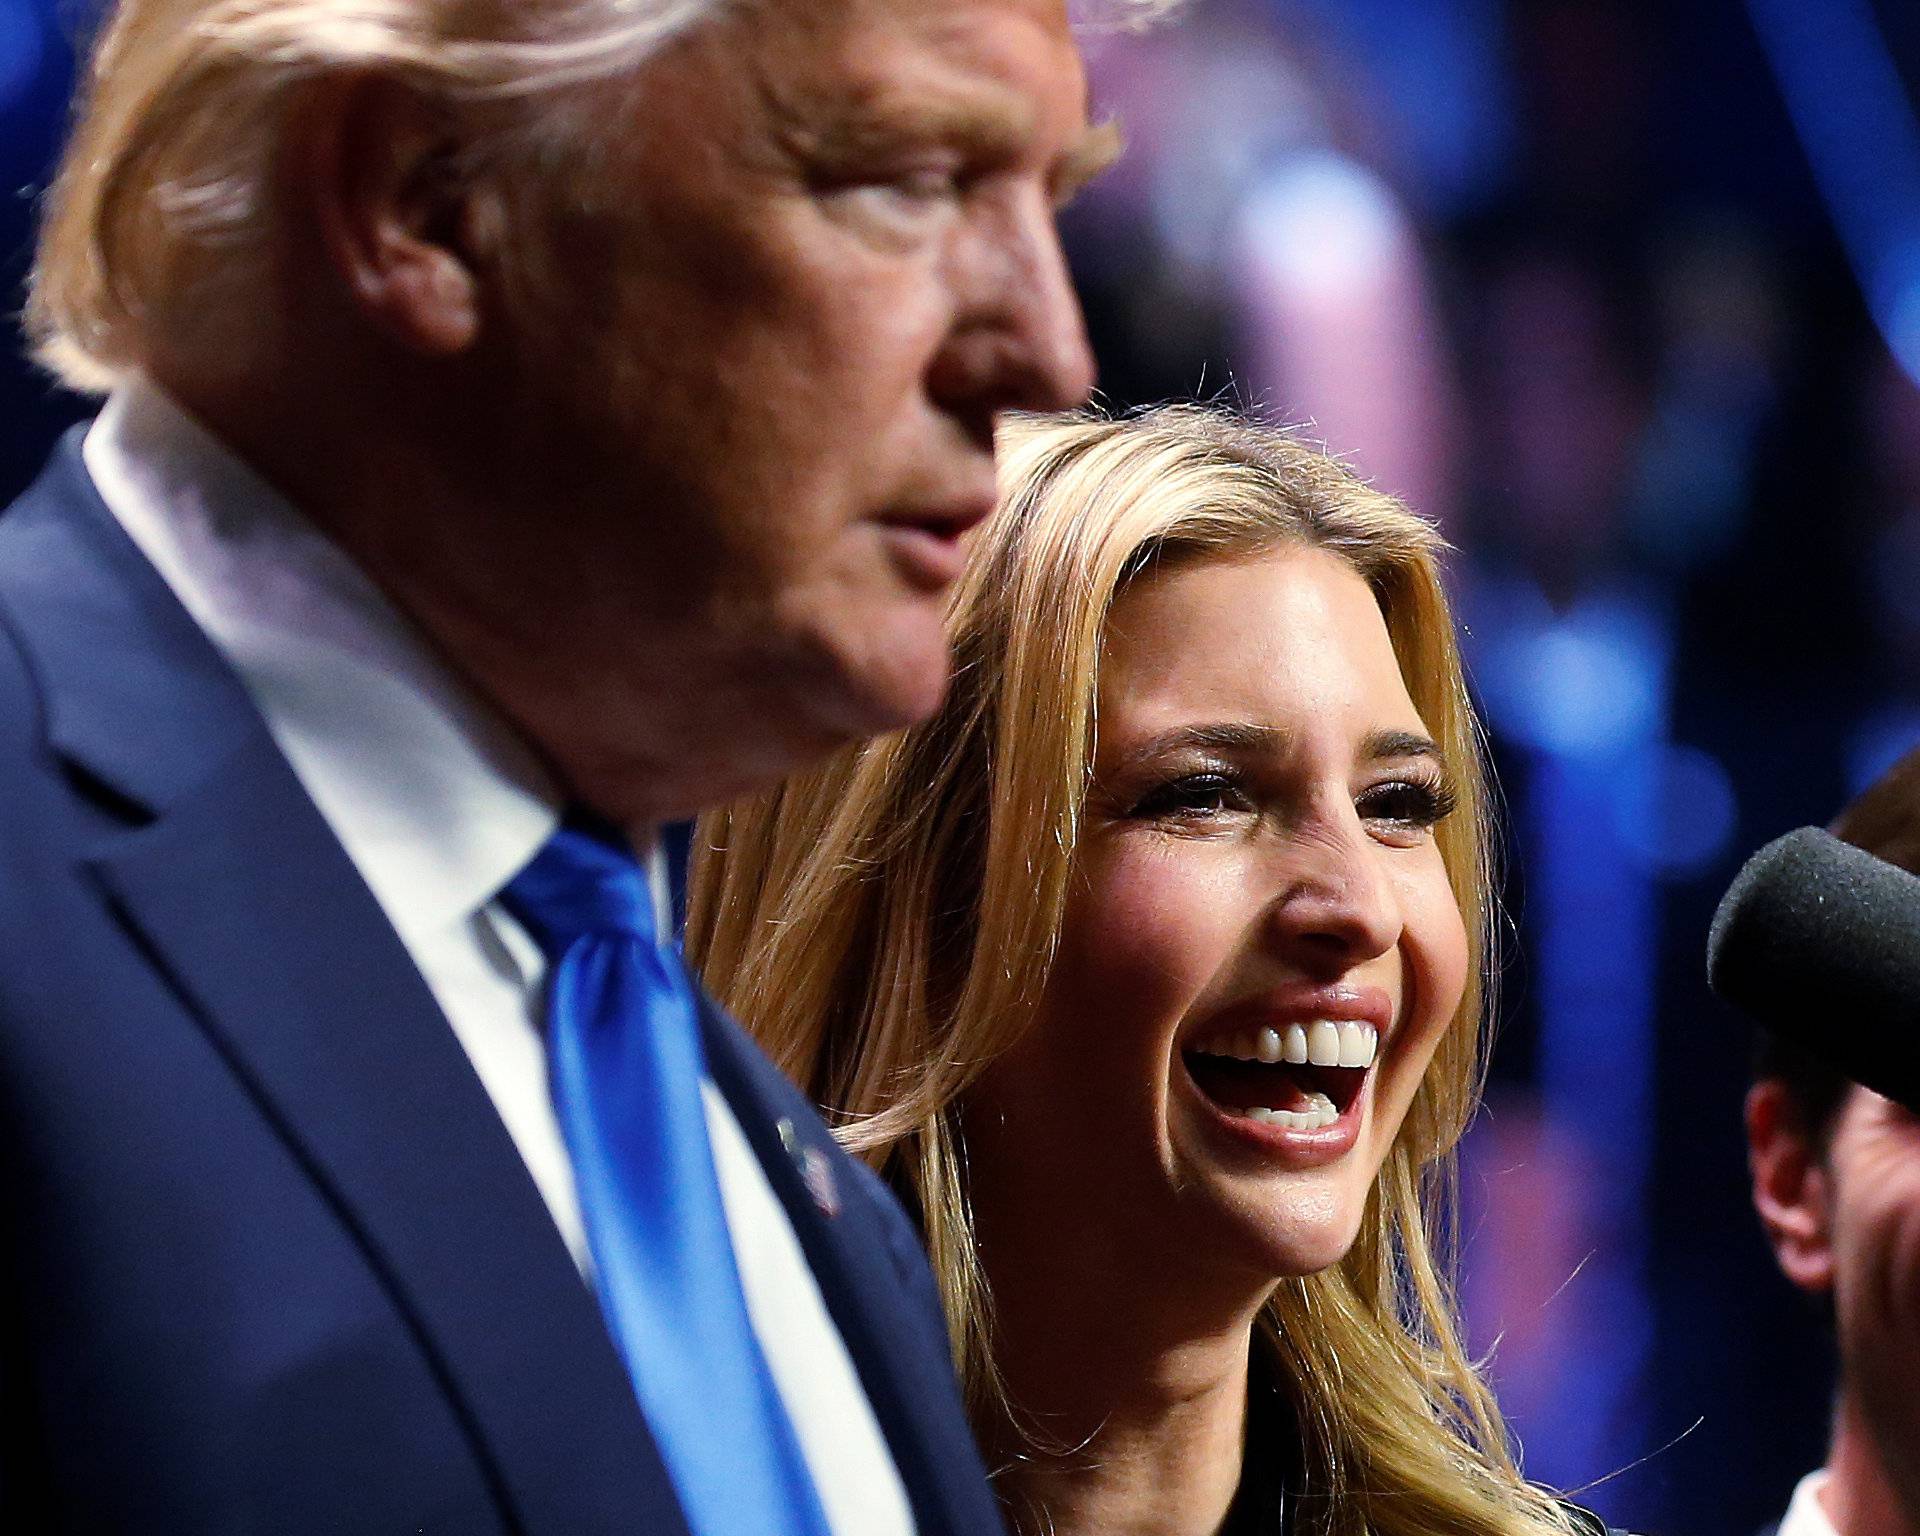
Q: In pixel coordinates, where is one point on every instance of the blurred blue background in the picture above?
(1628, 297)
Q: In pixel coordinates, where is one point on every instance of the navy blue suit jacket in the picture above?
(273, 1264)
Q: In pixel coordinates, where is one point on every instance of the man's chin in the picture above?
(881, 680)
(801, 714)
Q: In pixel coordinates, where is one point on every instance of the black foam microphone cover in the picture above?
(1819, 943)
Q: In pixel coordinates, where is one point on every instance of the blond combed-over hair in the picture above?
(161, 209)
(885, 925)
(161, 212)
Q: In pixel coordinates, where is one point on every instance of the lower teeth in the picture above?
(1317, 1116)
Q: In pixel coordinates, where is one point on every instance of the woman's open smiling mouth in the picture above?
(1289, 1072)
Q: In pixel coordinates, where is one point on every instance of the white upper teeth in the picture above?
(1323, 1043)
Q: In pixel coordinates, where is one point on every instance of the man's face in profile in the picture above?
(761, 406)
(1844, 1222)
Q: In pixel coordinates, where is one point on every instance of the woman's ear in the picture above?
(1790, 1187)
(377, 165)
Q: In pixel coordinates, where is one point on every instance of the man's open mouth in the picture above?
(1302, 1077)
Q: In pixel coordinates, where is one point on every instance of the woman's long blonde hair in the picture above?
(885, 924)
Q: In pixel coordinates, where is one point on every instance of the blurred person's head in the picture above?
(1836, 1180)
(647, 352)
(1207, 770)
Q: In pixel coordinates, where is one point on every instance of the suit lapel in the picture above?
(233, 883)
(902, 1362)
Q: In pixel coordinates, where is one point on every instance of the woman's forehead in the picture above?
(1268, 640)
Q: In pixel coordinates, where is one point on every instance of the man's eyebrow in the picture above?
(882, 121)
(1098, 146)
(994, 122)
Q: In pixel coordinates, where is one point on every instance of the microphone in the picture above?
(1819, 942)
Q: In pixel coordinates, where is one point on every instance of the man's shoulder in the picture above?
(19, 695)
(60, 490)
(48, 541)
(22, 578)
(49, 535)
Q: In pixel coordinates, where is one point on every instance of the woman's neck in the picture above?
(1174, 1474)
(1131, 1395)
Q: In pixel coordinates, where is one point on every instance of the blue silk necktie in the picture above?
(626, 1065)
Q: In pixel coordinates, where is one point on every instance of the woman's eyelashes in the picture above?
(1414, 802)
(1410, 803)
(1193, 797)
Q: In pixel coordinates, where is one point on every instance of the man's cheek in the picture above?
(1903, 1278)
(1880, 1283)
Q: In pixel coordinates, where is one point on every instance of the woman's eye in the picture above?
(1194, 797)
(1408, 803)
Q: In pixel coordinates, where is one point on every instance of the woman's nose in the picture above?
(1335, 902)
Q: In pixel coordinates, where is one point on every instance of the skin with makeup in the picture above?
(1149, 972)
(1260, 954)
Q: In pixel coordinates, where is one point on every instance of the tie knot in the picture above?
(580, 882)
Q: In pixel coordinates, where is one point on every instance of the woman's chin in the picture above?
(1284, 1206)
(1287, 1242)
(1274, 1226)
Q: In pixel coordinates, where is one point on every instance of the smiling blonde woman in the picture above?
(1149, 972)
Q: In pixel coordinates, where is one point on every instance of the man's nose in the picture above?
(1335, 905)
(1019, 342)
(1061, 368)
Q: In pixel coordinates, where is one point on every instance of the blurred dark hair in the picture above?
(1884, 820)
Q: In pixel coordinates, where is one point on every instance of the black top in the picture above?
(1271, 1461)
(1271, 1458)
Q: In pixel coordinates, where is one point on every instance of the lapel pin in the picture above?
(816, 1172)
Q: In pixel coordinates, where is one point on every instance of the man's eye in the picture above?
(925, 185)
(1194, 797)
(905, 202)
(907, 189)
(1414, 803)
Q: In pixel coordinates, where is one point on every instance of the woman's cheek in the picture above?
(1158, 922)
(1433, 976)
(1434, 942)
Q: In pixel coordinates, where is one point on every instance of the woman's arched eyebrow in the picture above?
(1219, 736)
(1382, 745)
(1243, 738)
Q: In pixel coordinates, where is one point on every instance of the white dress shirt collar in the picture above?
(437, 802)
(1806, 1515)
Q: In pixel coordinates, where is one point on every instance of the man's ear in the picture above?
(1789, 1187)
(377, 167)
